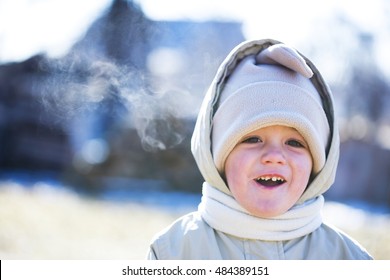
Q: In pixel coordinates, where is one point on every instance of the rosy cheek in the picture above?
(239, 161)
(305, 168)
(231, 161)
(232, 168)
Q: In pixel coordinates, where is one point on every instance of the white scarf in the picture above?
(223, 213)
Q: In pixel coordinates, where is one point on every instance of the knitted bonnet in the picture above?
(272, 87)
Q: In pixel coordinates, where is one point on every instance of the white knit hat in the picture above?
(270, 88)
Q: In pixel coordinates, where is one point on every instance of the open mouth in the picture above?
(270, 181)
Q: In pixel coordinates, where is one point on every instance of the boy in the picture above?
(267, 145)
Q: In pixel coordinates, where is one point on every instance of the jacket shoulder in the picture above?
(338, 245)
(182, 238)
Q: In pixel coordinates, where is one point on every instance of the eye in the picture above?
(295, 143)
(252, 140)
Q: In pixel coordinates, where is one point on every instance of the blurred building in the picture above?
(120, 104)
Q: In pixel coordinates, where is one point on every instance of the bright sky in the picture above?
(28, 27)
(52, 26)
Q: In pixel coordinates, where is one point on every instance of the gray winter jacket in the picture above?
(191, 237)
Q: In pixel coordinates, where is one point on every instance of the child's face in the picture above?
(268, 170)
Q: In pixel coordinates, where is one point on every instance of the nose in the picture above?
(273, 154)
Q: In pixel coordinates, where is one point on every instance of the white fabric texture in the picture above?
(259, 94)
(223, 213)
(277, 103)
(284, 55)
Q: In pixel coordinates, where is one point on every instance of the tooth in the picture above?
(274, 179)
(267, 178)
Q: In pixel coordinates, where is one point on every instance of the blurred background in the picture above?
(98, 100)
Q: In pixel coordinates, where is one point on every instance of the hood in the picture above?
(201, 145)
